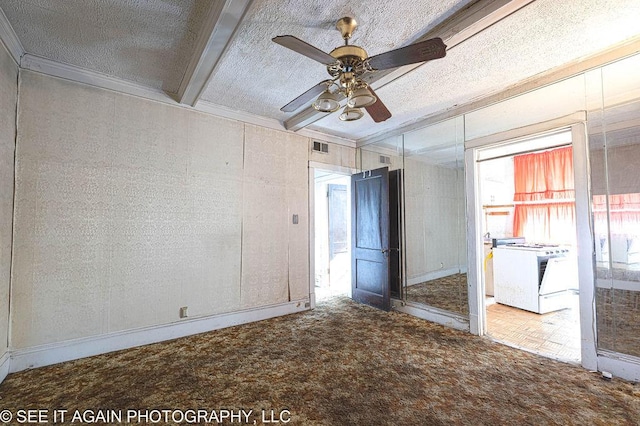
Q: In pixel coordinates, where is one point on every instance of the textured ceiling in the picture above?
(152, 41)
(543, 35)
(145, 41)
(259, 76)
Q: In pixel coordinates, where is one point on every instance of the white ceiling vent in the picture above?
(385, 160)
(321, 147)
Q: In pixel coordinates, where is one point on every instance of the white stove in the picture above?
(539, 248)
(534, 277)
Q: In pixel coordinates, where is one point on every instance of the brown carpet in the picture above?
(342, 363)
(448, 293)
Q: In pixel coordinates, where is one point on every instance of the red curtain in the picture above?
(623, 214)
(540, 177)
(544, 175)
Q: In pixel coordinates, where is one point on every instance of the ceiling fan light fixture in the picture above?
(347, 65)
(351, 114)
(326, 102)
(361, 98)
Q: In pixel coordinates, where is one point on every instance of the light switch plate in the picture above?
(295, 219)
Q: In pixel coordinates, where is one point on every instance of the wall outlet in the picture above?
(183, 312)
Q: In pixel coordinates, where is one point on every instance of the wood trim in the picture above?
(571, 69)
(53, 353)
(586, 247)
(5, 365)
(218, 30)
(92, 78)
(10, 39)
(626, 367)
(103, 81)
(324, 137)
(528, 131)
(475, 247)
(270, 123)
(432, 314)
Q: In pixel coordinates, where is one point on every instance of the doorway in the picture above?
(332, 235)
(528, 228)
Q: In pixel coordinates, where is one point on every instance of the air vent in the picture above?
(321, 147)
(385, 160)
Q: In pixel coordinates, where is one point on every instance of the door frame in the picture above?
(477, 309)
(331, 168)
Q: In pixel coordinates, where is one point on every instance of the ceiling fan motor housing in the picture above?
(351, 59)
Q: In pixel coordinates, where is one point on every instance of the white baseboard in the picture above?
(434, 275)
(5, 361)
(624, 366)
(40, 356)
(432, 314)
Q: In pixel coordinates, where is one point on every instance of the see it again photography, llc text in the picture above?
(188, 416)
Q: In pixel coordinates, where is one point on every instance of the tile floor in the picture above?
(555, 335)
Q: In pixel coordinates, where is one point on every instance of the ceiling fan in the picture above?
(347, 65)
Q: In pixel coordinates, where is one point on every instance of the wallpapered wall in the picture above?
(9, 91)
(435, 221)
(128, 209)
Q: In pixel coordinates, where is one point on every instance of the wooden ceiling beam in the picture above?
(221, 23)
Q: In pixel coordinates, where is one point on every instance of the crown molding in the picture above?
(245, 117)
(220, 26)
(9, 38)
(92, 78)
(77, 74)
(270, 123)
(581, 65)
(324, 137)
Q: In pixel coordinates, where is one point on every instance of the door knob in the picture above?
(387, 250)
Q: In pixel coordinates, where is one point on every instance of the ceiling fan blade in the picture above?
(419, 52)
(304, 48)
(377, 110)
(305, 97)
